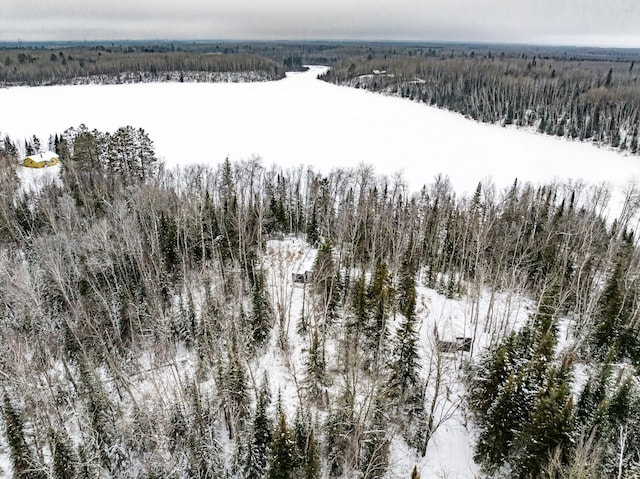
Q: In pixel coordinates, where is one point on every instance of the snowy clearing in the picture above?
(450, 451)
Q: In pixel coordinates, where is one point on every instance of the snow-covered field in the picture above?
(300, 120)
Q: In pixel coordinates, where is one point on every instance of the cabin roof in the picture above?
(46, 156)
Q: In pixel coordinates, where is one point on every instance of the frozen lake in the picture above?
(300, 120)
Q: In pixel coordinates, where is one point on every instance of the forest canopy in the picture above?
(139, 301)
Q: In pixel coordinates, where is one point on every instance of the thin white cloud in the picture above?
(547, 21)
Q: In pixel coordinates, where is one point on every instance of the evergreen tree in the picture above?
(167, 237)
(492, 371)
(405, 360)
(146, 164)
(380, 295)
(613, 326)
(407, 288)
(622, 432)
(88, 149)
(261, 318)
(228, 198)
(62, 148)
(500, 425)
(102, 416)
(258, 449)
(37, 146)
(544, 320)
(316, 370)
(360, 311)
(375, 444)
(339, 428)
(65, 460)
(591, 407)
(28, 148)
(10, 148)
(313, 235)
(307, 459)
(311, 467)
(515, 391)
(234, 386)
(130, 153)
(326, 280)
(22, 461)
(88, 468)
(283, 459)
(549, 426)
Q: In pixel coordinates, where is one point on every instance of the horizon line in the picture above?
(419, 42)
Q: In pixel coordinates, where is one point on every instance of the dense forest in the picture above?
(128, 64)
(578, 93)
(147, 313)
(593, 100)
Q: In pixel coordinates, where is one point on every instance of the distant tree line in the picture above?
(49, 67)
(136, 302)
(596, 101)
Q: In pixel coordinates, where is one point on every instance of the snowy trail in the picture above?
(300, 120)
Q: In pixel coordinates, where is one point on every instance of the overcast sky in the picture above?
(566, 22)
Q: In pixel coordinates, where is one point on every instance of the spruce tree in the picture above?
(614, 328)
(326, 280)
(500, 425)
(282, 459)
(359, 309)
(258, 449)
(374, 456)
(591, 407)
(316, 370)
(10, 148)
(313, 235)
(623, 429)
(234, 385)
(22, 461)
(405, 360)
(261, 318)
(311, 467)
(407, 288)
(65, 460)
(548, 428)
(380, 295)
(167, 237)
(515, 389)
(307, 461)
(101, 412)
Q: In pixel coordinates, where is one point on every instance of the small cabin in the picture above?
(41, 160)
(460, 344)
(302, 278)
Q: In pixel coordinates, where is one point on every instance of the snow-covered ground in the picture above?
(300, 120)
(450, 451)
(32, 179)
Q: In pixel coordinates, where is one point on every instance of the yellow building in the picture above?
(48, 158)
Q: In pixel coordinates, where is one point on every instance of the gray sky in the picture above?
(567, 22)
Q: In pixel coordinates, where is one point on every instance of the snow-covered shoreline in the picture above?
(303, 121)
